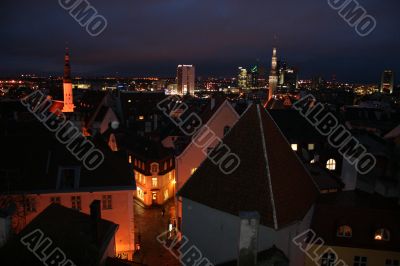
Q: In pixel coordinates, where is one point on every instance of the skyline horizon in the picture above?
(152, 38)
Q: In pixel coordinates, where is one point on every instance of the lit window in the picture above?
(311, 147)
(360, 261)
(141, 117)
(55, 200)
(328, 259)
(344, 231)
(331, 164)
(30, 205)
(130, 159)
(382, 234)
(154, 181)
(107, 202)
(140, 193)
(294, 147)
(194, 170)
(392, 263)
(154, 168)
(76, 202)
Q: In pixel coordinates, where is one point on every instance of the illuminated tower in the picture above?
(387, 82)
(186, 79)
(273, 75)
(67, 86)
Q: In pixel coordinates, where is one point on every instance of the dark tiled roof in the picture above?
(69, 230)
(31, 160)
(294, 126)
(265, 257)
(248, 188)
(364, 213)
(324, 179)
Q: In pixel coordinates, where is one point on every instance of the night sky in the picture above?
(151, 37)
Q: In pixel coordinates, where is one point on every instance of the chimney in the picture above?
(248, 238)
(349, 176)
(5, 223)
(95, 216)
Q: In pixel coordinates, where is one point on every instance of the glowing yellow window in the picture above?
(331, 164)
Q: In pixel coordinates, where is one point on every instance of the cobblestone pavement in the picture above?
(149, 223)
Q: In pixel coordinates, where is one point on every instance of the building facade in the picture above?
(186, 78)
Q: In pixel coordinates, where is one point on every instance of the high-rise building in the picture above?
(67, 86)
(287, 77)
(254, 76)
(242, 78)
(186, 79)
(387, 82)
(273, 75)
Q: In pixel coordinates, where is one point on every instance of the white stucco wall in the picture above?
(216, 234)
(192, 157)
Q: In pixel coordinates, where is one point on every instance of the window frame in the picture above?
(358, 261)
(76, 203)
(106, 202)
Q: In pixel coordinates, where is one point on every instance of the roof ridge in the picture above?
(267, 168)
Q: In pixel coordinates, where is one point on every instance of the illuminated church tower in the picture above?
(273, 75)
(67, 86)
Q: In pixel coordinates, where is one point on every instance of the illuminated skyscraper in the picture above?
(242, 78)
(67, 86)
(287, 77)
(387, 82)
(273, 75)
(186, 79)
(254, 76)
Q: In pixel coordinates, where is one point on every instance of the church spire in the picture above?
(67, 85)
(67, 67)
(273, 75)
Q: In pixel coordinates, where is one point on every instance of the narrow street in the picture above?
(149, 223)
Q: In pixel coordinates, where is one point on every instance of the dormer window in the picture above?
(382, 234)
(154, 168)
(344, 231)
(331, 164)
(68, 178)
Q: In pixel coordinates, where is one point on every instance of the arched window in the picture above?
(331, 164)
(328, 259)
(344, 231)
(382, 234)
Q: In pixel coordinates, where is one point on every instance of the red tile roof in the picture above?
(270, 179)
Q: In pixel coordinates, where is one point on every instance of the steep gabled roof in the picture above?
(68, 229)
(270, 179)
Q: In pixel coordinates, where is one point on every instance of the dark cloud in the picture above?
(151, 37)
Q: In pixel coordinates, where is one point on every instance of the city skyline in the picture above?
(220, 39)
